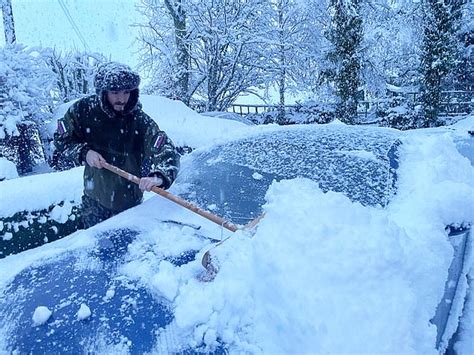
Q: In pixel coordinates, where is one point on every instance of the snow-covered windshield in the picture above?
(232, 178)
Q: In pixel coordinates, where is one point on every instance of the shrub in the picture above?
(25, 84)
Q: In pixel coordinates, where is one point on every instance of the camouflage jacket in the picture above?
(132, 142)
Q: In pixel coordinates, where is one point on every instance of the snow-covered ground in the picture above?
(350, 279)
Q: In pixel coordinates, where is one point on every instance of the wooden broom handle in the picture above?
(186, 204)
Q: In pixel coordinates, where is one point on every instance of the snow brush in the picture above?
(206, 259)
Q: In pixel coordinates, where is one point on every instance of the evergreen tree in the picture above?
(345, 34)
(287, 41)
(439, 53)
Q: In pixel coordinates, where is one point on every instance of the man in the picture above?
(111, 127)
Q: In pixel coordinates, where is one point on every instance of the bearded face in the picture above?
(118, 99)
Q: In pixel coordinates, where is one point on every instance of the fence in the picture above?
(243, 109)
(455, 102)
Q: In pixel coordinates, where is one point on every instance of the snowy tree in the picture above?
(223, 40)
(8, 22)
(74, 73)
(25, 85)
(345, 34)
(228, 52)
(439, 52)
(311, 71)
(164, 52)
(165, 48)
(287, 42)
(392, 32)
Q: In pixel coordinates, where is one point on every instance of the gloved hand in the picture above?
(147, 183)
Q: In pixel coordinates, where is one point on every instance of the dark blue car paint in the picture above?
(131, 318)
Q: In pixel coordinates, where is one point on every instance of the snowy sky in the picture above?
(370, 276)
(102, 26)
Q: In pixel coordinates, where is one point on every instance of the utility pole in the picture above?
(8, 23)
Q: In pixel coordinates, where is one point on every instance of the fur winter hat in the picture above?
(114, 76)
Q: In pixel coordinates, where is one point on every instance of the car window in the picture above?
(231, 180)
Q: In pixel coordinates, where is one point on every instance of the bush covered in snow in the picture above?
(24, 150)
(36, 210)
(25, 84)
(308, 112)
(398, 112)
(32, 82)
(7, 169)
(25, 104)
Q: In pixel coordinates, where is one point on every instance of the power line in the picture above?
(73, 24)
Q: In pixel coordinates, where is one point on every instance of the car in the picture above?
(228, 116)
(339, 249)
(234, 177)
(232, 180)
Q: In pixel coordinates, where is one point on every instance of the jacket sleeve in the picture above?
(69, 142)
(161, 157)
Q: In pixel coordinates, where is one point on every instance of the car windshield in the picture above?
(231, 179)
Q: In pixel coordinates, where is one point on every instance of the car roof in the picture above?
(360, 162)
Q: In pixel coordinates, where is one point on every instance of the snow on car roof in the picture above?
(359, 161)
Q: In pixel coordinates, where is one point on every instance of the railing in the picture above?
(244, 109)
(454, 102)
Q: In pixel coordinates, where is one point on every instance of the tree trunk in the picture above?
(182, 53)
(8, 23)
(282, 72)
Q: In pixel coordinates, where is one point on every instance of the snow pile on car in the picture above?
(324, 274)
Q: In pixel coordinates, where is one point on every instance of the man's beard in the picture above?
(119, 107)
